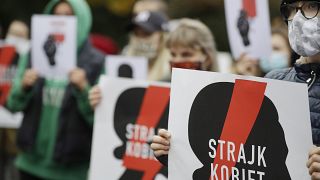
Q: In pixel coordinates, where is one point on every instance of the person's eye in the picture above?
(276, 48)
(312, 6)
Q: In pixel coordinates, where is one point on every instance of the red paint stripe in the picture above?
(246, 101)
(154, 104)
(7, 54)
(250, 7)
(59, 37)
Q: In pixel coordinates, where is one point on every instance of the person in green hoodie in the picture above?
(55, 135)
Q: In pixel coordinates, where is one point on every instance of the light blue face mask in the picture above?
(277, 60)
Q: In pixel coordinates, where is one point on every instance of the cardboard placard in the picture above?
(128, 116)
(248, 25)
(127, 66)
(8, 69)
(54, 45)
(229, 126)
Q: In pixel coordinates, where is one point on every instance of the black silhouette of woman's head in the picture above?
(206, 121)
(126, 112)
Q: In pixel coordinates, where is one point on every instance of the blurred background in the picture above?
(110, 17)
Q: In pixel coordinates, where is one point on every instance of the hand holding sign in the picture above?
(95, 96)
(313, 163)
(161, 143)
(78, 78)
(29, 78)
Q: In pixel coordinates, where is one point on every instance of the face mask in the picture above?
(187, 65)
(276, 61)
(146, 47)
(22, 45)
(304, 35)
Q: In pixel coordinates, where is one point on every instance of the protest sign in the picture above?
(128, 116)
(54, 45)
(127, 66)
(8, 68)
(248, 25)
(237, 127)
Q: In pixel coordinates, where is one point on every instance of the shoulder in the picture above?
(96, 53)
(280, 73)
(91, 53)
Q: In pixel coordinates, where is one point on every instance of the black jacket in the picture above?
(305, 73)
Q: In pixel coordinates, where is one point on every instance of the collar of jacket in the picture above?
(304, 71)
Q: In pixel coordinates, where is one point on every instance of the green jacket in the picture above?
(47, 135)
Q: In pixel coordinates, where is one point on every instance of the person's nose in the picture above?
(177, 59)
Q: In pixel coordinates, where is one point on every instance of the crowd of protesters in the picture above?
(54, 139)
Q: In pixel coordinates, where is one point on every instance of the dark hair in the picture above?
(61, 1)
(288, 1)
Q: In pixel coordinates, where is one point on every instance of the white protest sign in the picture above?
(127, 66)
(248, 25)
(54, 45)
(229, 126)
(9, 120)
(129, 114)
(8, 69)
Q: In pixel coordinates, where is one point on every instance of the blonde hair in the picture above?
(194, 34)
(150, 5)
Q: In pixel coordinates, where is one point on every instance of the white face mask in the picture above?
(304, 35)
(146, 47)
(22, 45)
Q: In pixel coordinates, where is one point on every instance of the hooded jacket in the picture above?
(84, 18)
(55, 135)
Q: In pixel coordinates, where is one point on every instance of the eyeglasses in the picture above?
(309, 9)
